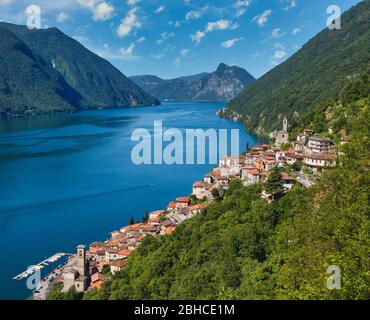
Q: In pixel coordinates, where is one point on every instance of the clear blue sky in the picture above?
(171, 38)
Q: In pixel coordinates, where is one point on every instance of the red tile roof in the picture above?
(291, 151)
(254, 172)
(172, 205)
(183, 200)
(125, 252)
(249, 167)
(133, 227)
(196, 207)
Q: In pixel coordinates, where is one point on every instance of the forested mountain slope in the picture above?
(58, 74)
(316, 73)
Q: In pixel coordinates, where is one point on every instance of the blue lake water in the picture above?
(69, 179)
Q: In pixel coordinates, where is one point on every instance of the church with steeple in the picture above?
(282, 137)
(76, 273)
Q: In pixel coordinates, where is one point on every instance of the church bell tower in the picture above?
(81, 260)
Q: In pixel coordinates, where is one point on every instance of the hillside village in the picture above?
(299, 163)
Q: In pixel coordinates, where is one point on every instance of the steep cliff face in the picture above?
(222, 85)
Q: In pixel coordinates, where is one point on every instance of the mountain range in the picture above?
(45, 71)
(222, 85)
(313, 75)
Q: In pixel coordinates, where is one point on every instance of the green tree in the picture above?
(131, 221)
(72, 294)
(55, 292)
(274, 184)
(297, 166)
(217, 194)
(145, 217)
(106, 270)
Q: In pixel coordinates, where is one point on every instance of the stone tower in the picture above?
(76, 273)
(81, 260)
(285, 124)
(282, 136)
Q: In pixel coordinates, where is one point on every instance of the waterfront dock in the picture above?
(41, 265)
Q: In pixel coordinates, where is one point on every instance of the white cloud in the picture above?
(279, 54)
(241, 6)
(81, 39)
(101, 10)
(177, 61)
(158, 56)
(218, 25)
(278, 45)
(165, 36)
(160, 9)
(161, 55)
(230, 43)
(256, 55)
(213, 26)
(87, 3)
(133, 2)
(296, 30)
(175, 24)
(196, 14)
(290, 4)
(62, 16)
(197, 37)
(124, 53)
(243, 3)
(128, 51)
(240, 12)
(141, 39)
(184, 52)
(262, 19)
(128, 23)
(276, 33)
(234, 26)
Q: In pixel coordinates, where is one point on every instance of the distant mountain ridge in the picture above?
(222, 85)
(314, 74)
(43, 71)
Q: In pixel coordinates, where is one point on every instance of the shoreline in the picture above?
(185, 186)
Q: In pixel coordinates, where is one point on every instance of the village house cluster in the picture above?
(88, 268)
(311, 152)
